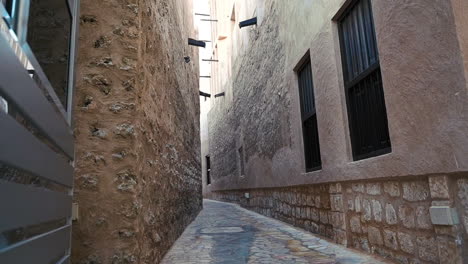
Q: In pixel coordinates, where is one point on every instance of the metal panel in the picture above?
(28, 206)
(20, 149)
(18, 88)
(42, 249)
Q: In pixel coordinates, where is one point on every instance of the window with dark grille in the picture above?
(208, 170)
(363, 82)
(49, 19)
(309, 117)
(241, 161)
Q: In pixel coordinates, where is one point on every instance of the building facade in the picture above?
(346, 118)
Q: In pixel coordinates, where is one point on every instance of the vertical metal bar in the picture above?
(71, 64)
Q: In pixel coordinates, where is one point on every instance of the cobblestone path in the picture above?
(227, 233)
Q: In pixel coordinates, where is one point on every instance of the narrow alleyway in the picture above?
(227, 233)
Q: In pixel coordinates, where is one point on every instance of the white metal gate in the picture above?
(36, 150)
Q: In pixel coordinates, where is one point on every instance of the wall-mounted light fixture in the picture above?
(197, 43)
(249, 22)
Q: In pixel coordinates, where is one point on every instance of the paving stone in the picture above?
(236, 235)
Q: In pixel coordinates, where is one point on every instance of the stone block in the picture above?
(406, 242)
(427, 248)
(367, 215)
(415, 191)
(337, 202)
(374, 235)
(439, 187)
(340, 237)
(324, 217)
(317, 202)
(449, 252)
(357, 203)
(463, 192)
(390, 214)
(351, 204)
(392, 188)
(314, 215)
(406, 214)
(390, 239)
(355, 224)
(337, 219)
(373, 188)
(377, 210)
(423, 218)
(335, 188)
(358, 187)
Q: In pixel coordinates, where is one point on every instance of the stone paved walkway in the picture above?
(227, 233)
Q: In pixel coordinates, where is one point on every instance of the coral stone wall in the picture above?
(137, 181)
(388, 218)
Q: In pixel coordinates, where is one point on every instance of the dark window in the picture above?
(241, 159)
(309, 117)
(49, 35)
(208, 170)
(363, 83)
(11, 6)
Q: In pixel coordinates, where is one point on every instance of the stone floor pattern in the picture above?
(227, 233)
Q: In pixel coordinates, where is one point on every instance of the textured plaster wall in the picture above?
(424, 86)
(138, 174)
(460, 9)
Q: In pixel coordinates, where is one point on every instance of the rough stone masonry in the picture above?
(137, 179)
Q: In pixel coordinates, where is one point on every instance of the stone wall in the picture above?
(388, 218)
(137, 179)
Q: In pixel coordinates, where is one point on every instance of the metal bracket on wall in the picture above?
(219, 95)
(197, 43)
(249, 22)
(205, 94)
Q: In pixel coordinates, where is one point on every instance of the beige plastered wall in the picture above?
(421, 45)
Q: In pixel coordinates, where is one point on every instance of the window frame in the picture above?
(303, 63)
(20, 33)
(349, 84)
(208, 169)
